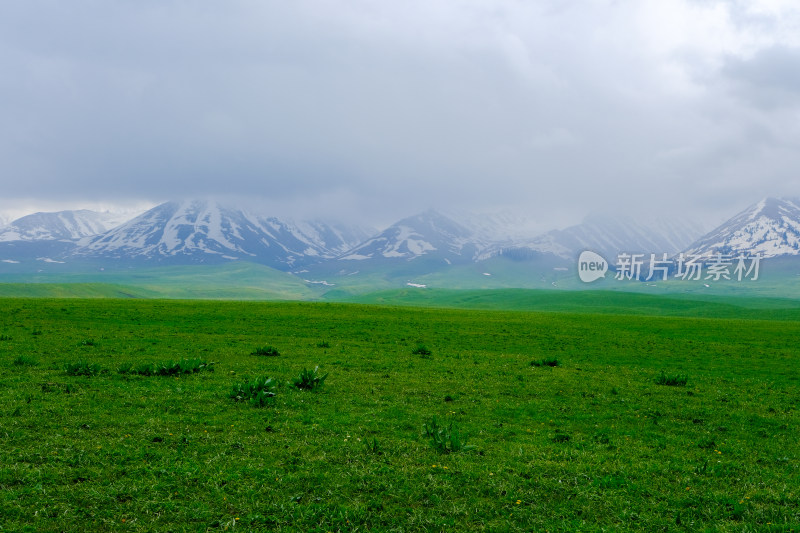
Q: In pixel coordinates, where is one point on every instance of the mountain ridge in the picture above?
(59, 225)
(427, 245)
(207, 231)
(769, 228)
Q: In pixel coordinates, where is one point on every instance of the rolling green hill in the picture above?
(232, 281)
(605, 302)
(498, 283)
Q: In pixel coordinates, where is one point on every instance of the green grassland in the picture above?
(231, 281)
(604, 302)
(345, 281)
(592, 444)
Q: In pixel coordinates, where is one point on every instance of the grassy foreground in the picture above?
(646, 423)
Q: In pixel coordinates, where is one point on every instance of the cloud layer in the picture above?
(383, 108)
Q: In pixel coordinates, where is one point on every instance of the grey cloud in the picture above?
(383, 108)
(769, 79)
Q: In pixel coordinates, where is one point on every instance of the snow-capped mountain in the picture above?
(770, 228)
(206, 231)
(429, 233)
(608, 236)
(59, 226)
(430, 243)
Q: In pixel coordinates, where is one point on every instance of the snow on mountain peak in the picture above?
(57, 226)
(770, 228)
(202, 231)
(423, 234)
(206, 230)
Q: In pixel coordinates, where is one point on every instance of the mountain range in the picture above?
(207, 232)
(426, 246)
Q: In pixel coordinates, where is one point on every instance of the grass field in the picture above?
(232, 281)
(603, 302)
(646, 423)
(241, 280)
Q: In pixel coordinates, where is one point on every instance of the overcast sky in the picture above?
(557, 108)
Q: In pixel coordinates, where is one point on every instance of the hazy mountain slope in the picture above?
(61, 225)
(200, 231)
(426, 234)
(609, 236)
(770, 228)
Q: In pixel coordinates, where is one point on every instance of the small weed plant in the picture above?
(672, 380)
(547, 361)
(266, 351)
(372, 446)
(168, 368)
(83, 368)
(422, 350)
(308, 379)
(446, 439)
(22, 360)
(561, 438)
(258, 392)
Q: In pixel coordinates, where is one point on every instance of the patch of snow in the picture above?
(356, 257)
(758, 209)
(10, 235)
(321, 282)
(419, 247)
(48, 260)
(418, 285)
(486, 274)
(9, 261)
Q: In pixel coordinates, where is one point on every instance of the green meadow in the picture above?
(571, 412)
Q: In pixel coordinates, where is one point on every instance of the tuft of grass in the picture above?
(446, 439)
(308, 379)
(372, 446)
(422, 350)
(266, 351)
(83, 368)
(547, 361)
(5, 337)
(22, 360)
(323, 344)
(258, 392)
(168, 368)
(672, 380)
(560, 438)
(86, 342)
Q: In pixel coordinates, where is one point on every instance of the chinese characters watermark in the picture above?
(638, 267)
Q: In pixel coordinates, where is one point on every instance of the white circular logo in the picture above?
(591, 266)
